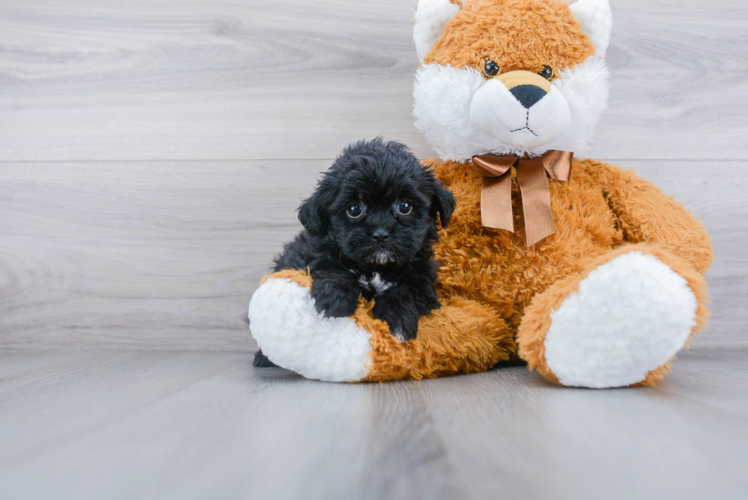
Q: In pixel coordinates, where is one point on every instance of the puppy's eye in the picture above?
(404, 208)
(547, 72)
(491, 68)
(355, 211)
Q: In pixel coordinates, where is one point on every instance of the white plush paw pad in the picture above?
(629, 317)
(293, 335)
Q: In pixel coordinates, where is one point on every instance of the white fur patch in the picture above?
(443, 97)
(586, 91)
(376, 283)
(293, 335)
(629, 317)
(432, 16)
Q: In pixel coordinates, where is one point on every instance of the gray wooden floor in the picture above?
(151, 158)
(205, 425)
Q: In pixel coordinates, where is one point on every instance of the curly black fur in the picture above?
(383, 254)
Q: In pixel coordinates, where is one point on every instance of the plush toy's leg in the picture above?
(460, 337)
(294, 336)
(617, 323)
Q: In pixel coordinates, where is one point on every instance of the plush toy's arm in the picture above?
(462, 336)
(645, 214)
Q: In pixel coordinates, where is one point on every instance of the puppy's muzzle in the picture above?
(528, 88)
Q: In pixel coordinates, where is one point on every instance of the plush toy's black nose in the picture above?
(528, 95)
(381, 234)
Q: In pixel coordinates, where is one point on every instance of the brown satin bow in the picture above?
(496, 195)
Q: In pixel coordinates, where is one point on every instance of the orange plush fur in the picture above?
(498, 294)
(517, 34)
(489, 277)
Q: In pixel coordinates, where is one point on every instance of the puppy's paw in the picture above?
(401, 317)
(334, 301)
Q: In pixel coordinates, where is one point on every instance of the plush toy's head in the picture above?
(515, 77)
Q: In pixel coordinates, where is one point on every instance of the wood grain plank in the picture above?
(166, 255)
(219, 79)
(570, 444)
(194, 425)
(141, 424)
(141, 249)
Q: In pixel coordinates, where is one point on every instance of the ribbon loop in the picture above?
(532, 176)
(558, 165)
(496, 194)
(494, 166)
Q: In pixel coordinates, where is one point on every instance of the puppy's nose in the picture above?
(381, 234)
(528, 95)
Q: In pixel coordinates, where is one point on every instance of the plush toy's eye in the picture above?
(355, 212)
(404, 208)
(491, 69)
(547, 72)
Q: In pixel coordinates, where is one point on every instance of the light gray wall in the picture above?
(152, 153)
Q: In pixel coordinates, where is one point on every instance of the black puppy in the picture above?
(369, 227)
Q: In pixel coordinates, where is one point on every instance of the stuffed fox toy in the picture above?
(583, 270)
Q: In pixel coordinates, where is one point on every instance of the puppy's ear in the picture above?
(313, 213)
(444, 201)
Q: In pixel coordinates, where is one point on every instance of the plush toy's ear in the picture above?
(432, 17)
(596, 20)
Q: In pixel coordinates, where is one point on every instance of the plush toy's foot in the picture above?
(616, 324)
(294, 336)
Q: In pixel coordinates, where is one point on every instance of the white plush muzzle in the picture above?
(495, 111)
(463, 115)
